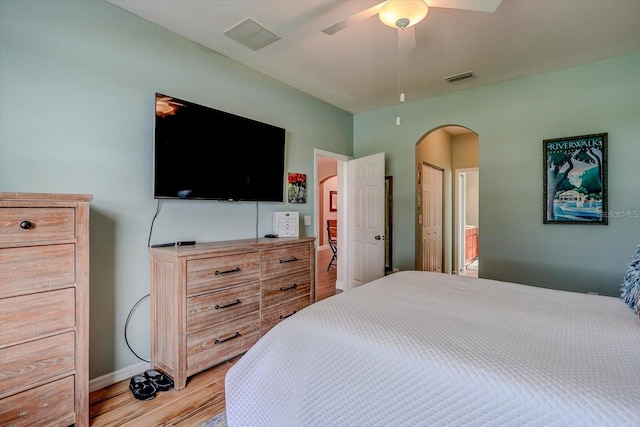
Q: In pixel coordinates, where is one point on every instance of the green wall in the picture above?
(77, 93)
(512, 119)
(77, 86)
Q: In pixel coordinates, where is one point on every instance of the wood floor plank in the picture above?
(202, 399)
(201, 416)
(190, 402)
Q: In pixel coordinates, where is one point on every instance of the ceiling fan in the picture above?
(404, 14)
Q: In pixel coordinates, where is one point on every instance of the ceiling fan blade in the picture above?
(473, 5)
(406, 38)
(360, 16)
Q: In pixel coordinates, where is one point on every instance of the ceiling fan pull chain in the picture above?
(400, 88)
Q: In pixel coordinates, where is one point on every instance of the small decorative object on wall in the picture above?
(575, 180)
(297, 189)
(333, 201)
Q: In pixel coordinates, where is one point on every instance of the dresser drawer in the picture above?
(208, 274)
(276, 314)
(30, 316)
(284, 288)
(215, 345)
(278, 262)
(36, 361)
(36, 268)
(50, 404)
(30, 225)
(207, 310)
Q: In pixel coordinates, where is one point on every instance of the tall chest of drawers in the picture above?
(212, 301)
(44, 309)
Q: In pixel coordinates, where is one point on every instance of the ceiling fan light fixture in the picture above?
(403, 13)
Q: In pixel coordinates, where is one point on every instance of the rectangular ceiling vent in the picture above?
(251, 34)
(459, 77)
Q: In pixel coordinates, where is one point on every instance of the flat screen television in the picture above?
(206, 154)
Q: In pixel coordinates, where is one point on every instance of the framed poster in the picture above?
(575, 180)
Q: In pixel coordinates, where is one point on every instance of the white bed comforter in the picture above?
(429, 349)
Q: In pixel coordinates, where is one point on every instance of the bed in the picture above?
(430, 349)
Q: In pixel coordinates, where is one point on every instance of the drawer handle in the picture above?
(288, 288)
(292, 259)
(220, 341)
(287, 315)
(26, 225)
(218, 306)
(235, 270)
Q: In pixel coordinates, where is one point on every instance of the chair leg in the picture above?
(334, 258)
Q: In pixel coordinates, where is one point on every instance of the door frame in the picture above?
(460, 215)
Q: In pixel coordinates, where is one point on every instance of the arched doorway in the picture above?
(441, 212)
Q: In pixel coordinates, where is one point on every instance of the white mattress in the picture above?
(428, 349)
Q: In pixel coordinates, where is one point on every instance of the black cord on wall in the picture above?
(257, 220)
(126, 326)
(152, 221)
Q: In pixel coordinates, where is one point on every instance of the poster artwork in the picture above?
(575, 180)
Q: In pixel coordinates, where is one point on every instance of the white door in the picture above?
(431, 219)
(365, 219)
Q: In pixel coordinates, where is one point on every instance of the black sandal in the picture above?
(142, 388)
(160, 380)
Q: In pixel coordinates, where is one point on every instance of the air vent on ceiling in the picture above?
(251, 34)
(459, 77)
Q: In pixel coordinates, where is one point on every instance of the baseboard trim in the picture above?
(117, 376)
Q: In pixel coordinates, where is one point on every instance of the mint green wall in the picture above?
(512, 119)
(77, 87)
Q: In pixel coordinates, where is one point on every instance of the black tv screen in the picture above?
(203, 153)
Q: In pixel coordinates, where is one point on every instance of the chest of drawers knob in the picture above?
(231, 304)
(234, 270)
(221, 340)
(288, 288)
(26, 225)
(284, 316)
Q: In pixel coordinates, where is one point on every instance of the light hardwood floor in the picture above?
(202, 399)
(326, 280)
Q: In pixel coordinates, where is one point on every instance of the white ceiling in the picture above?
(360, 68)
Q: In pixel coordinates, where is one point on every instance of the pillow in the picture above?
(630, 290)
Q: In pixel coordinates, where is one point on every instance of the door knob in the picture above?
(379, 237)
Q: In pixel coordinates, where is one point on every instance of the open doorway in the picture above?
(450, 149)
(329, 182)
(467, 221)
(360, 216)
(327, 261)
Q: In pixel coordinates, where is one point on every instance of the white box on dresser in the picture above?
(44, 309)
(211, 302)
(286, 224)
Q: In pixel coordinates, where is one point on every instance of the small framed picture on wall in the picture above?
(333, 201)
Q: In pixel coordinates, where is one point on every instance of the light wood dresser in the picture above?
(211, 302)
(44, 309)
